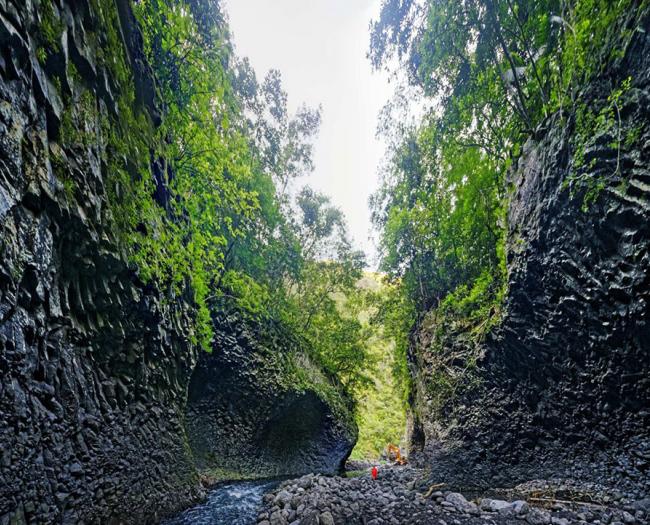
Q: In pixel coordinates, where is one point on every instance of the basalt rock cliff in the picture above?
(258, 407)
(94, 363)
(561, 387)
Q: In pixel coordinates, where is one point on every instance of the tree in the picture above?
(225, 218)
(491, 72)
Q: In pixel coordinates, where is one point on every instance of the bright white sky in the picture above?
(320, 48)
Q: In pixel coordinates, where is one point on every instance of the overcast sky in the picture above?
(320, 48)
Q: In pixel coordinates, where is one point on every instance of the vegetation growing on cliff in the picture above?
(489, 74)
(204, 162)
(203, 167)
(382, 415)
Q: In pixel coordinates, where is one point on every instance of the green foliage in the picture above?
(41, 55)
(458, 329)
(590, 128)
(50, 29)
(395, 315)
(381, 417)
(321, 302)
(204, 200)
(69, 188)
(493, 71)
(529, 57)
(439, 210)
(209, 166)
(477, 306)
(593, 33)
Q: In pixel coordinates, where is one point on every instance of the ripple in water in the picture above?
(228, 504)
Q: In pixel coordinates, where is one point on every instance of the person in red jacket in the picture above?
(374, 472)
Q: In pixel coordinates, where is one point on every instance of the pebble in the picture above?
(461, 504)
(396, 498)
(326, 518)
(520, 507)
(538, 517)
(494, 505)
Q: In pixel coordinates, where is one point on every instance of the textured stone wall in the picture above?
(94, 365)
(257, 407)
(563, 385)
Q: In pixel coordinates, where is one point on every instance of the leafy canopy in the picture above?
(490, 72)
(207, 199)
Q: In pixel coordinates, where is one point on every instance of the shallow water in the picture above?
(234, 503)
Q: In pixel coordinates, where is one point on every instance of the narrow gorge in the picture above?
(178, 314)
(108, 407)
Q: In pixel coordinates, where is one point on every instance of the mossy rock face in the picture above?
(259, 408)
(94, 364)
(560, 387)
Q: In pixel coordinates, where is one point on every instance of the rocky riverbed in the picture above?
(400, 495)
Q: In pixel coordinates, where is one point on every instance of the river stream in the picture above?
(234, 503)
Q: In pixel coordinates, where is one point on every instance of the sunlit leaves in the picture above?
(494, 71)
(219, 213)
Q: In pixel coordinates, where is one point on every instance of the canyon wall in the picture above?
(258, 407)
(561, 387)
(94, 363)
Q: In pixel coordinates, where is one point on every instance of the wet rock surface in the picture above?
(562, 386)
(94, 365)
(401, 495)
(251, 413)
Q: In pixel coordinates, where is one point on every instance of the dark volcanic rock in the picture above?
(94, 365)
(563, 385)
(391, 499)
(257, 407)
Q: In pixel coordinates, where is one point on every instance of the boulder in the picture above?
(494, 505)
(461, 504)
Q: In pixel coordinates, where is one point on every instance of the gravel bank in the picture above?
(399, 497)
